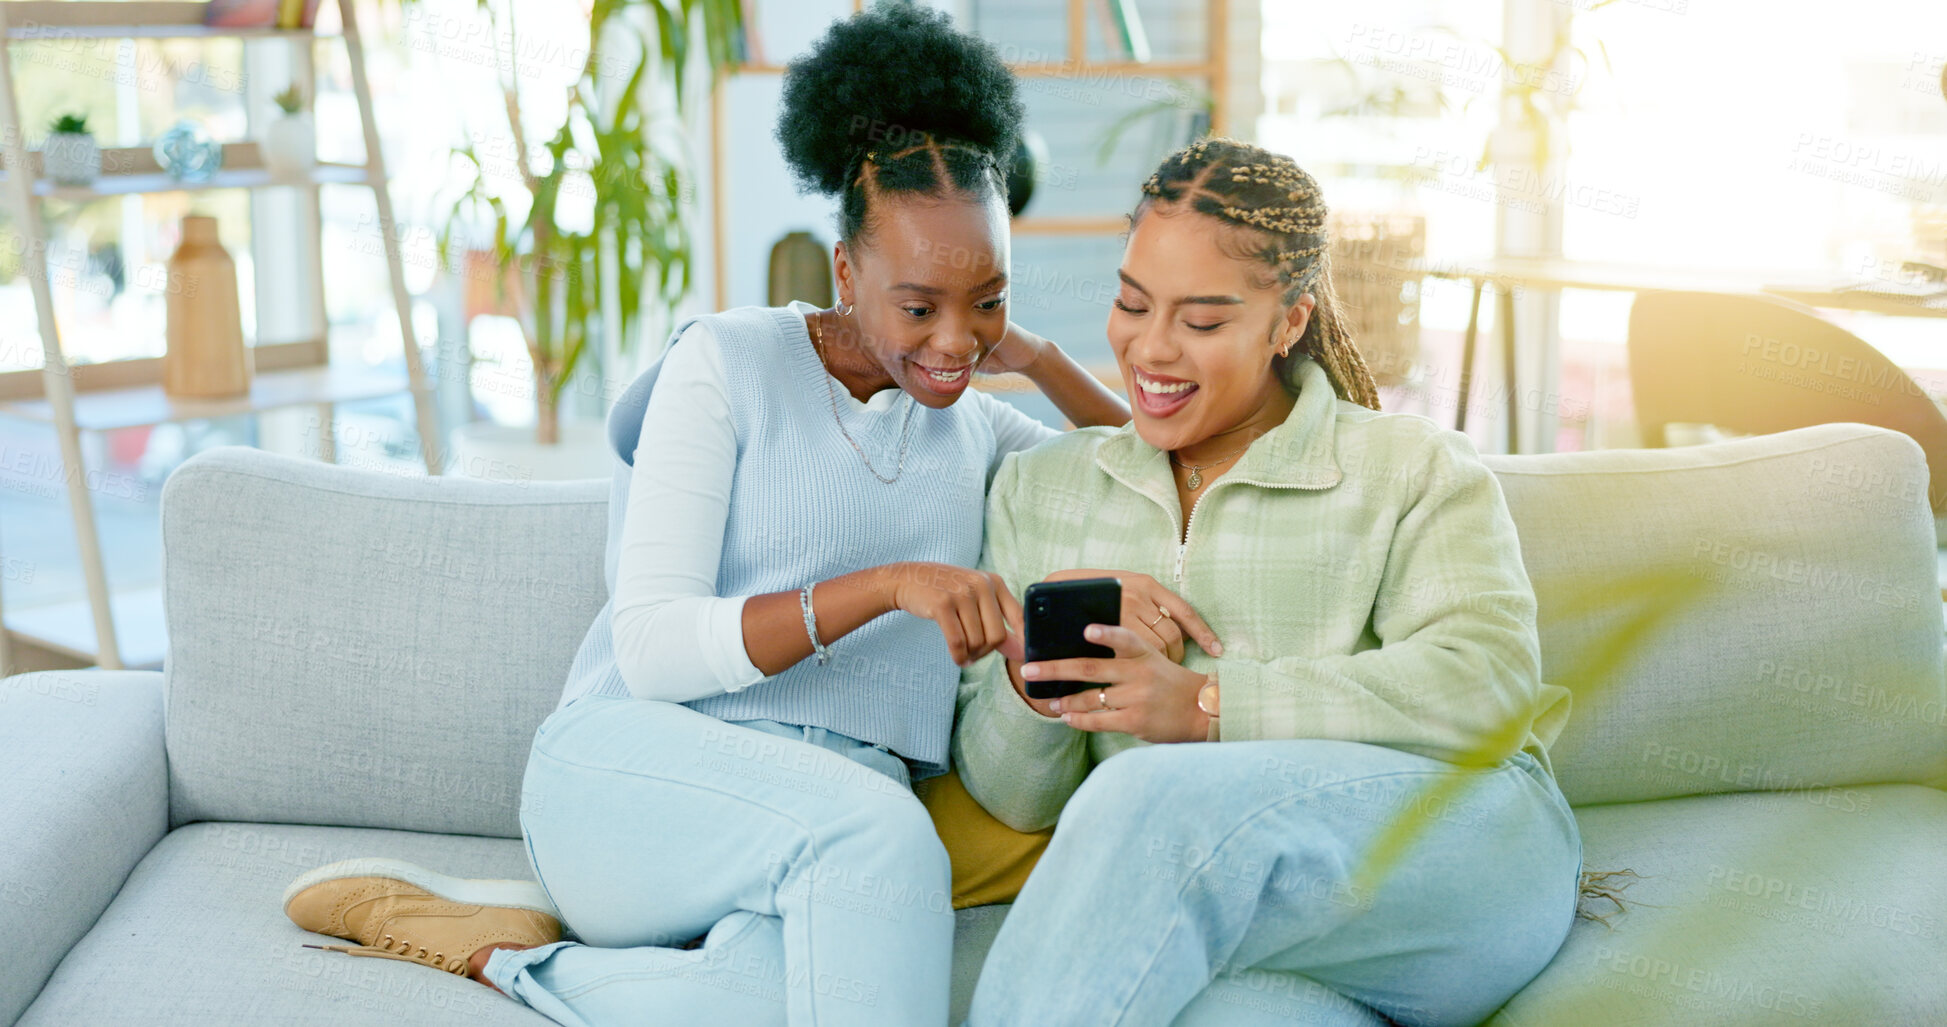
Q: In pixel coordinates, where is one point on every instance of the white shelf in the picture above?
(69, 628)
(132, 170)
(141, 405)
(224, 178)
(115, 19)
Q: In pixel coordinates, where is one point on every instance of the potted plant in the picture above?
(590, 231)
(1538, 97)
(290, 144)
(70, 155)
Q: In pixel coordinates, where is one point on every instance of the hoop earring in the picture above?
(842, 309)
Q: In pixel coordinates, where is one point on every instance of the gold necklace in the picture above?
(905, 431)
(1196, 476)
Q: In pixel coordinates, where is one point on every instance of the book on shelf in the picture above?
(296, 14)
(241, 13)
(281, 14)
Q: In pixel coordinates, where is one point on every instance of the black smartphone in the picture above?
(1057, 611)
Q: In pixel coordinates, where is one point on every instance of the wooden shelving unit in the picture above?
(128, 393)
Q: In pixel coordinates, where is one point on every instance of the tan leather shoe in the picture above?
(397, 910)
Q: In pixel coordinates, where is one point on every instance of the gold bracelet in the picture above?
(1211, 687)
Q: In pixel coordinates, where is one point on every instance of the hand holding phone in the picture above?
(1056, 614)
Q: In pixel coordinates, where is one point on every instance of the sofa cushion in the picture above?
(367, 650)
(1815, 907)
(991, 861)
(198, 936)
(1793, 618)
(1812, 907)
(974, 930)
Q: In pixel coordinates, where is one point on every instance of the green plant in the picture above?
(1188, 97)
(70, 124)
(1545, 93)
(291, 100)
(562, 263)
(1652, 599)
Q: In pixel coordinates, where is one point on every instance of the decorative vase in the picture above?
(290, 147)
(71, 158)
(800, 270)
(206, 357)
(188, 153)
(1024, 169)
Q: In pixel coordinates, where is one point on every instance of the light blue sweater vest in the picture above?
(804, 508)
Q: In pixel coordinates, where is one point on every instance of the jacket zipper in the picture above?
(1183, 547)
(1170, 512)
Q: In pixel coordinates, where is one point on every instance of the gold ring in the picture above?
(1103, 694)
(1160, 614)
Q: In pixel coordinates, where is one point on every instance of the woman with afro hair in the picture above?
(719, 810)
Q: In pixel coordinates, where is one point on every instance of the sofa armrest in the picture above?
(86, 797)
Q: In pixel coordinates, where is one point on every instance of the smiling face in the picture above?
(929, 286)
(1194, 329)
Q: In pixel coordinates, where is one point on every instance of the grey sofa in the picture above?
(358, 662)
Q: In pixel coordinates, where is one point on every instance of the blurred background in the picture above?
(1526, 167)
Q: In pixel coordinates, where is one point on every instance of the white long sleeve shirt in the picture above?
(676, 639)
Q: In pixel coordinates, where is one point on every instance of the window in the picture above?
(1773, 136)
(1762, 138)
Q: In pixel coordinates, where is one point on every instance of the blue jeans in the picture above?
(1218, 884)
(802, 853)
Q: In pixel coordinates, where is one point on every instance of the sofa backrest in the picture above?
(1761, 614)
(362, 649)
(359, 649)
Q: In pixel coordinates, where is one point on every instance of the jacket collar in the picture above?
(1300, 453)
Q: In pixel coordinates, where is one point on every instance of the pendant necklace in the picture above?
(1196, 471)
(905, 431)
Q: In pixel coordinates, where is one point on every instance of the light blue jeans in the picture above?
(1216, 884)
(818, 877)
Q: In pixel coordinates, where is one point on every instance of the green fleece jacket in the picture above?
(1360, 569)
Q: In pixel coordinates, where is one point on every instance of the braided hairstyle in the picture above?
(895, 100)
(1277, 217)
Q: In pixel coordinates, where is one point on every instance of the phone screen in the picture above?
(1057, 612)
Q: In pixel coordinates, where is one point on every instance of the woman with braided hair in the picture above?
(720, 808)
(1378, 639)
